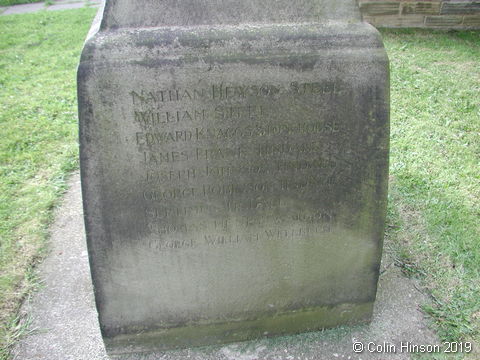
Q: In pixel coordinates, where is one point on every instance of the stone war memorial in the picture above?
(234, 164)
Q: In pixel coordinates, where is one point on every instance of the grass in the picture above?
(435, 171)
(38, 148)
(16, 2)
(435, 153)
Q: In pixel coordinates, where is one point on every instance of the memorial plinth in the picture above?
(234, 162)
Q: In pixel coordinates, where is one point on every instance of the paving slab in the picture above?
(72, 4)
(65, 327)
(57, 5)
(86, 2)
(24, 8)
(66, 6)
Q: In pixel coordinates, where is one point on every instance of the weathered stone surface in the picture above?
(149, 13)
(395, 21)
(461, 7)
(430, 8)
(63, 312)
(472, 21)
(443, 21)
(380, 8)
(234, 175)
(454, 14)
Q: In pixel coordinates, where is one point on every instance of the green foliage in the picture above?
(16, 2)
(435, 187)
(38, 122)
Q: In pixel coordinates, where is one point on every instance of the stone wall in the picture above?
(436, 14)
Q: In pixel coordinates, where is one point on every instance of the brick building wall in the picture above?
(435, 14)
